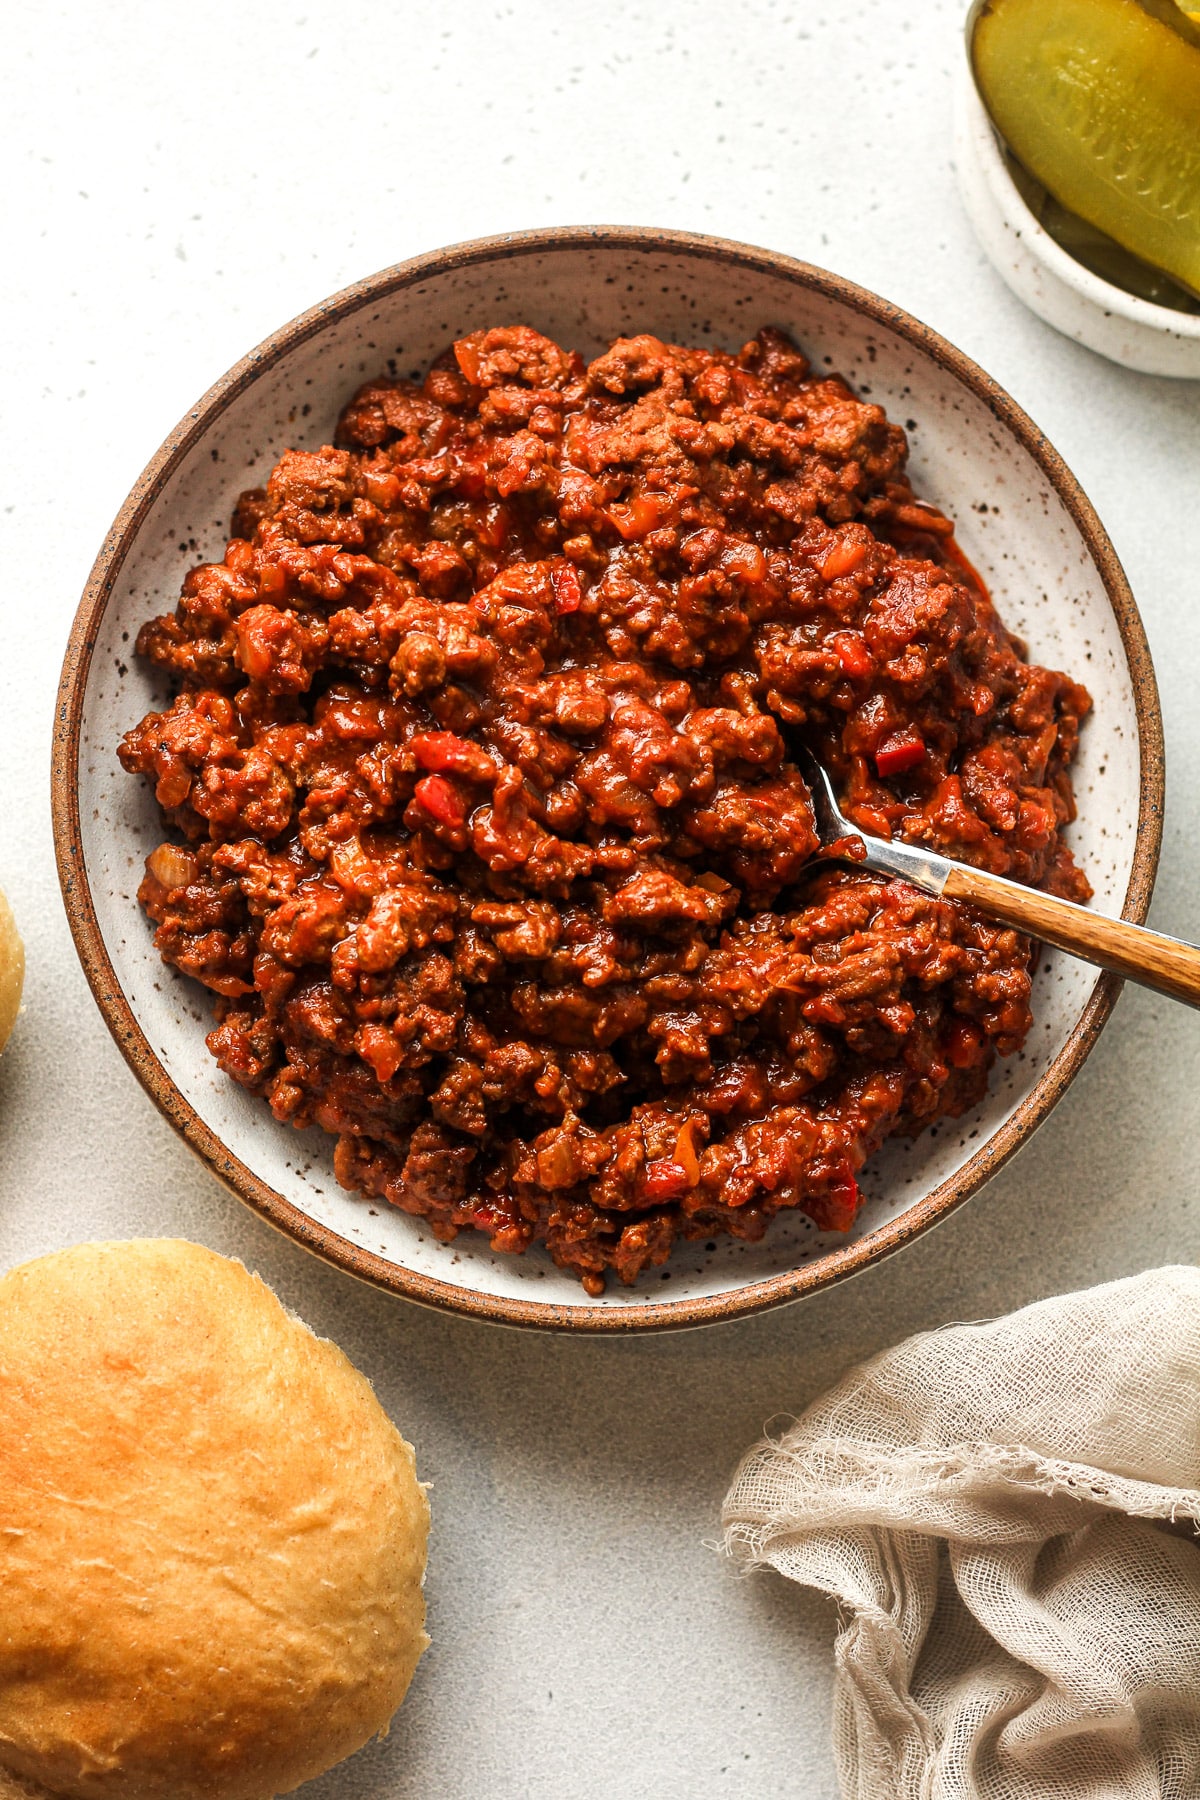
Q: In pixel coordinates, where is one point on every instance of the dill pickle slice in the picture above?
(1095, 249)
(1101, 102)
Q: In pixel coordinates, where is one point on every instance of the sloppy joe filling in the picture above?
(487, 833)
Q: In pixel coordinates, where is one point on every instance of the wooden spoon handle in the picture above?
(1130, 950)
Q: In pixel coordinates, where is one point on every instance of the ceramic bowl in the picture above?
(1156, 340)
(1023, 522)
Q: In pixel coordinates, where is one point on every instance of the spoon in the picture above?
(1147, 957)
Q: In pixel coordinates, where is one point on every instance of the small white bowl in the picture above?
(1155, 339)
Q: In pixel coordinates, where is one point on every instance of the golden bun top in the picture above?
(12, 975)
(212, 1538)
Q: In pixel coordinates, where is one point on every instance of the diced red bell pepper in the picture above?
(501, 1219)
(665, 1180)
(842, 1202)
(379, 1047)
(567, 592)
(852, 653)
(744, 560)
(841, 558)
(468, 354)
(903, 750)
(471, 481)
(444, 752)
(633, 519)
(965, 1045)
(492, 529)
(514, 476)
(441, 800)
(685, 1154)
(835, 1207)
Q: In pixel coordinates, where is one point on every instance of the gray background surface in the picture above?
(177, 184)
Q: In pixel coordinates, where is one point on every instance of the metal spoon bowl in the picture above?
(1148, 957)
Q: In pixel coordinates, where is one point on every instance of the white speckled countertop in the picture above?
(179, 182)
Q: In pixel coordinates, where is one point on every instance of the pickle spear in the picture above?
(1101, 102)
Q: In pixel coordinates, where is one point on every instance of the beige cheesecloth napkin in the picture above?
(978, 1501)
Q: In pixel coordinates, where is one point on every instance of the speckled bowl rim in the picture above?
(754, 1296)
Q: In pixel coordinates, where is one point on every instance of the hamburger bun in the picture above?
(12, 974)
(15, 1787)
(212, 1538)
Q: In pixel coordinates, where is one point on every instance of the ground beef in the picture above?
(487, 837)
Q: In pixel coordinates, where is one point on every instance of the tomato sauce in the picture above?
(487, 836)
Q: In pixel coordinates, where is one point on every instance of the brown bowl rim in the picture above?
(756, 1296)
